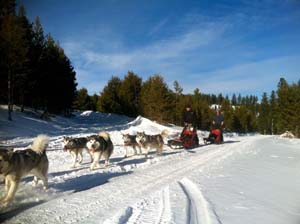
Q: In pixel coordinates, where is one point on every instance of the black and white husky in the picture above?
(15, 165)
(130, 141)
(75, 147)
(98, 146)
(148, 142)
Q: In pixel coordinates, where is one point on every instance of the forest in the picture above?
(35, 72)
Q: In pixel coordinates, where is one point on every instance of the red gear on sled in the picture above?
(217, 134)
(187, 137)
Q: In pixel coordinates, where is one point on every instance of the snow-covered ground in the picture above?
(248, 179)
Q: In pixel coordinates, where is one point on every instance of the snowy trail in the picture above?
(131, 186)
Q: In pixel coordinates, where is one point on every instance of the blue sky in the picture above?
(220, 46)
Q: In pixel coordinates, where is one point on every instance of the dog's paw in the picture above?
(92, 168)
(3, 205)
(4, 202)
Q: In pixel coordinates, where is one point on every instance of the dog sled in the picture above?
(187, 139)
(214, 137)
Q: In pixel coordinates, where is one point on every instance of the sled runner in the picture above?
(187, 139)
(214, 137)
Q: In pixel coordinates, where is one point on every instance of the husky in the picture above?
(151, 141)
(75, 147)
(98, 146)
(15, 165)
(130, 140)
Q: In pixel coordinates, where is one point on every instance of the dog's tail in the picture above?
(164, 133)
(104, 135)
(40, 143)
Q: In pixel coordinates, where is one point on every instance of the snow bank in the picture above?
(287, 134)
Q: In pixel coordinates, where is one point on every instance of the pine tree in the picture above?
(239, 100)
(288, 104)
(55, 70)
(38, 45)
(227, 112)
(274, 112)
(129, 94)
(156, 99)
(220, 99)
(240, 119)
(13, 48)
(22, 87)
(177, 102)
(283, 105)
(234, 100)
(109, 99)
(264, 118)
(93, 102)
(82, 100)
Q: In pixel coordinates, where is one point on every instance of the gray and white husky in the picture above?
(148, 142)
(15, 165)
(130, 141)
(98, 146)
(75, 147)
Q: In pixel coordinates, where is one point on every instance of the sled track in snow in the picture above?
(165, 208)
(102, 199)
(155, 210)
(198, 206)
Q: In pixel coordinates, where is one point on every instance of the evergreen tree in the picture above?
(239, 100)
(178, 102)
(109, 100)
(129, 94)
(234, 100)
(273, 112)
(156, 99)
(31, 66)
(202, 110)
(240, 120)
(197, 106)
(94, 100)
(82, 100)
(227, 112)
(213, 99)
(13, 48)
(220, 99)
(283, 105)
(264, 118)
(288, 107)
(21, 79)
(56, 69)
(38, 45)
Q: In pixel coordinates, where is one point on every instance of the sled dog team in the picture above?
(16, 164)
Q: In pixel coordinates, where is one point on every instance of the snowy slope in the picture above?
(248, 179)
